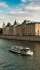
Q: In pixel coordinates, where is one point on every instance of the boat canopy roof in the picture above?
(27, 48)
(20, 47)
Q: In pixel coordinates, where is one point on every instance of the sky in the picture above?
(19, 6)
(13, 6)
(29, 9)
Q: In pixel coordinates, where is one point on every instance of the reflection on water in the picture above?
(10, 61)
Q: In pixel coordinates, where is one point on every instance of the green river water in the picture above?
(11, 61)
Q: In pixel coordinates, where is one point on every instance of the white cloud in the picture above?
(32, 8)
(16, 11)
(31, 11)
(23, 1)
(3, 5)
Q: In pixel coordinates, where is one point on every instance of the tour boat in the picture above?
(21, 50)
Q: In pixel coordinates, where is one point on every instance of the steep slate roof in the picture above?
(8, 24)
(27, 22)
(15, 23)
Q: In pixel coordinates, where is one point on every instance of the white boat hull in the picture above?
(26, 51)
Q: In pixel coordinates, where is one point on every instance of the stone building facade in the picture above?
(24, 29)
(37, 28)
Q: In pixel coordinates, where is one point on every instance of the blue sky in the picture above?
(13, 6)
(22, 8)
(8, 6)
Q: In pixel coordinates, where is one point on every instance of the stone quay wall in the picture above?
(27, 38)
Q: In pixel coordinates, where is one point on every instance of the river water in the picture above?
(10, 61)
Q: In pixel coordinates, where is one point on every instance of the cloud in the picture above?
(16, 11)
(12, 11)
(3, 5)
(30, 10)
(23, 1)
